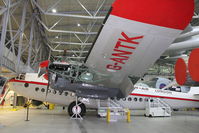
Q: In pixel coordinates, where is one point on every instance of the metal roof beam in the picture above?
(67, 15)
(64, 31)
(71, 57)
(70, 51)
(5, 9)
(72, 43)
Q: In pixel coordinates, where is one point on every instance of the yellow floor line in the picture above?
(10, 109)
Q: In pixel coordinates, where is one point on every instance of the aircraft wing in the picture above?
(134, 36)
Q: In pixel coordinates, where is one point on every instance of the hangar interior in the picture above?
(33, 31)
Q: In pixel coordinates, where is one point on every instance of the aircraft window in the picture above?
(42, 90)
(151, 83)
(140, 99)
(124, 99)
(54, 91)
(60, 92)
(178, 89)
(151, 100)
(146, 99)
(183, 89)
(66, 93)
(2, 81)
(135, 99)
(21, 77)
(118, 99)
(36, 89)
(129, 99)
(26, 85)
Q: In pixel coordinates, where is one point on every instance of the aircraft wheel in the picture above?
(80, 109)
(150, 116)
(175, 109)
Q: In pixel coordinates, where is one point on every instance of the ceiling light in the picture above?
(78, 25)
(54, 10)
(56, 37)
(73, 55)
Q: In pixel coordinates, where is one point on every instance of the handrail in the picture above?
(159, 103)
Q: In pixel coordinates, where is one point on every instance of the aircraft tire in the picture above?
(81, 109)
(150, 116)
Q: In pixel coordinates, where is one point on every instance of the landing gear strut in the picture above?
(27, 105)
(76, 109)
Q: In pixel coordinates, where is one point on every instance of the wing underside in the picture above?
(134, 37)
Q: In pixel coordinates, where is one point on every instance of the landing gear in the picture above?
(76, 109)
(46, 105)
(150, 116)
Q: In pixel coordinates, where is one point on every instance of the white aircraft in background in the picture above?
(31, 86)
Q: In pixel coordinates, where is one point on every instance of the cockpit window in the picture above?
(77, 73)
(21, 76)
(151, 83)
(2, 81)
(184, 89)
(66, 93)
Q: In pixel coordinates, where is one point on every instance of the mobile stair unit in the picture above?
(157, 107)
(113, 110)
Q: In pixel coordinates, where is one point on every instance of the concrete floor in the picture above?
(57, 121)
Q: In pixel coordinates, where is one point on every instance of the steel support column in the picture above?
(21, 35)
(4, 29)
(11, 37)
(30, 42)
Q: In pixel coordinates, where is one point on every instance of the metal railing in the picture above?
(156, 102)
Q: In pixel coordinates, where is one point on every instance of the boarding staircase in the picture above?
(117, 111)
(157, 107)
